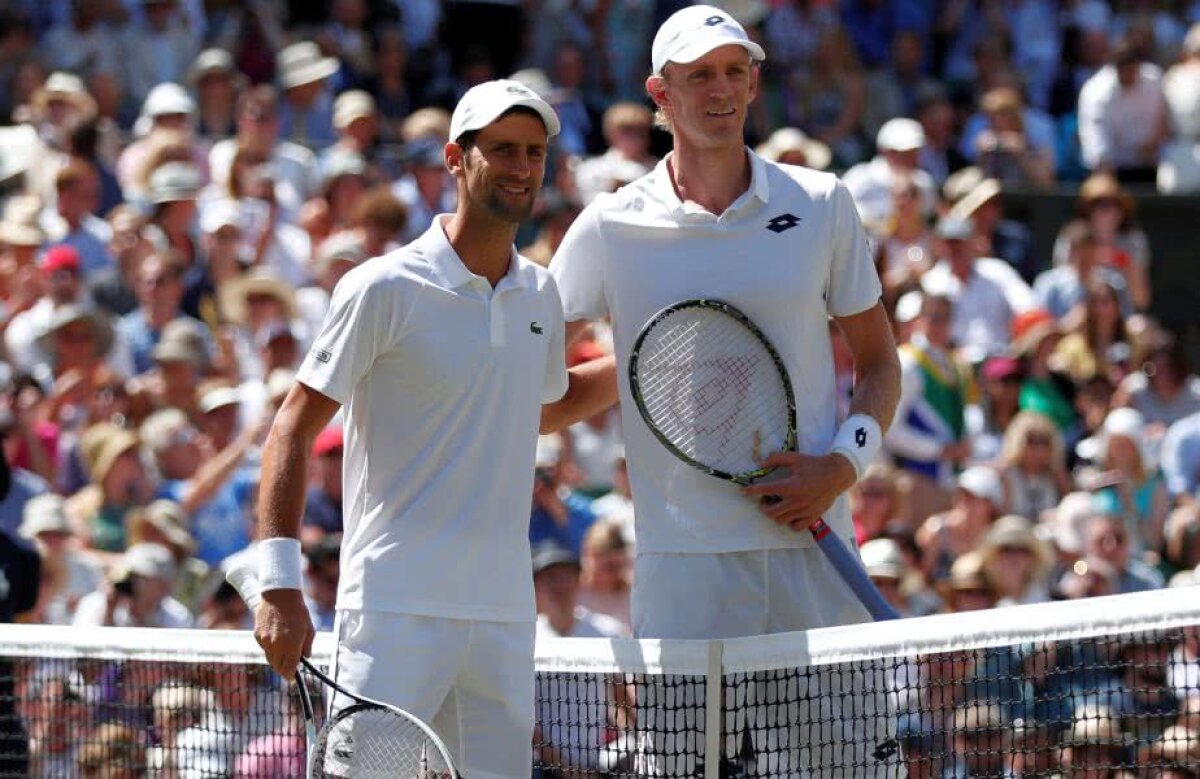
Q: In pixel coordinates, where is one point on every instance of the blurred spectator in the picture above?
(1106, 539)
(173, 190)
(76, 342)
(1010, 142)
(879, 498)
(828, 101)
(113, 289)
(163, 522)
(944, 538)
(966, 586)
(888, 569)
(252, 32)
(793, 30)
(27, 448)
(85, 43)
(118, 483)
(1062, 290)
(1122, 246)
(428, 188)
(1123, 116)
(1099, 344)
(895, 88)
(202, 481)
(251, 302)
(73, 219)
(1181, 461)
(222, 238)
(556, 214)
(58, 712)
(617, 505)
(159, 48)
(323, 507)
(294, 166)
(558, 514)
(606, 575)
(159, 289)
(343, 182)
(380, 219)
(59, 103)
(927, 437)
(337, 255)
(321, 580)
(1162, 387)
(1045, 389)
(169, 111)
(905, 243)
(899, 144)
(1016, 562)
(1033, 465)
(939, 156)
(356, 122)
(1094, 742)
(627, 133)
(1128, 482)
(137, 593)
(1179, 169)
(110, 745)
(268, 236)
(789, 146)
(556, 589)
(45, 523)
(181, 361)
(216, 83)
(306, 107)
(346, 37)
(565, 91)
(987, 292)
(1002, 238)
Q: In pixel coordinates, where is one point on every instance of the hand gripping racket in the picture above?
(366, 739)
(713, 390)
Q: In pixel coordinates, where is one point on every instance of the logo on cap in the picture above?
(515, 89)
(713, 21)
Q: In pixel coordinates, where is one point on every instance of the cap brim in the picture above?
(543, 109)
(698, 48)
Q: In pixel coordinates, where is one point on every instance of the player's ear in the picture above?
(454, 155)
(755, 73)
(656, 87)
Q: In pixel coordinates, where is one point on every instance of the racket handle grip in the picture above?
(852, 572)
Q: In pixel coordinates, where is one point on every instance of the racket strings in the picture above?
(370, 742)
(712, 389)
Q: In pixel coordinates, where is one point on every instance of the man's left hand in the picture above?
(811, 485)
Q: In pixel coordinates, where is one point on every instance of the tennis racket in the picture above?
(368, 738)
(713, 390)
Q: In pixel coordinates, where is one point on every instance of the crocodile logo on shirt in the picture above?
(535, 328)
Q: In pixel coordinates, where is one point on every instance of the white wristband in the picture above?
(279, 564)
(859, 439)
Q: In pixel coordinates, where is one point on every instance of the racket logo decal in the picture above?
(535, 328)
(860, 437)
(783, 223)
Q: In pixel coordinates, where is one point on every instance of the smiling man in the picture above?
(442, 352)
(785, 245)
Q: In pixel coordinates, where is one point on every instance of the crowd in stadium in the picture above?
(184, 182)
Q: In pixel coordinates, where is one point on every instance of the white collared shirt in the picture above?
(790, 252)
(442, 379)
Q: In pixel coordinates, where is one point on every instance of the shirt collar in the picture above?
(759, 189)
(449, 268)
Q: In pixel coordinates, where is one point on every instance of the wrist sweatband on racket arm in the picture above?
(279, 564)
(859, 439)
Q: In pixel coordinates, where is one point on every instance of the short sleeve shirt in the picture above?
(442, 378)
(790, 253)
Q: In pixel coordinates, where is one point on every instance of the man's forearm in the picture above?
(281, 488)
(877, 391)
(591, 388)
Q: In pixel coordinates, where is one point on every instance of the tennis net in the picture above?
(1108, 687)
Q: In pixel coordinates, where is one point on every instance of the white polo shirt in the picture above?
(443, 380)
(790, 252)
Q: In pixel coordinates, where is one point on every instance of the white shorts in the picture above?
(472, 681)
(740, 594)
(802, 722)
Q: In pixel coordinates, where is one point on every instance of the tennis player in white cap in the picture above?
(785, 245)
(442, 353)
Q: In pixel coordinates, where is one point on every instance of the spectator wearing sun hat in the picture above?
(978, 500)
(306, 110)
(215, 80)
(899, 144)
(167, 108)
(356, 123)
(45, 523)
(138, 593)
(250, 302)
(118, 484)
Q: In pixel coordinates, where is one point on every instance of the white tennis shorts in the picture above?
(809, 723)
(472, 681)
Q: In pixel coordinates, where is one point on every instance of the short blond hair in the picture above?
(628, 112)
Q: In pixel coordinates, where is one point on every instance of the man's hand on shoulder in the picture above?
(807, 486)
(284, 630)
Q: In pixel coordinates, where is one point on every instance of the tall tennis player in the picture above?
(442, 353)
(783, 244)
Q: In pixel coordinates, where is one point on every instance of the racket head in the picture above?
(376, 741)
(713, 389)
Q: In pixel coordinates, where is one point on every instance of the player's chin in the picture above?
(513, 208)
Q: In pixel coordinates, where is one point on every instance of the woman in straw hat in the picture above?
(1112, 215)
(1033, 465)
(1016, 562)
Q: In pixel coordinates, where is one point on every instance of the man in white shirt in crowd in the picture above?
(442, 353)
(785, 245)
(1123, 118)
(899, 143)
(137, 593)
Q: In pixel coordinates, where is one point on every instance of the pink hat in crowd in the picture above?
(328, 440)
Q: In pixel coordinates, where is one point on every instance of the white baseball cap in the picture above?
(485, 103)
(694, 31)
(982, 482)
(900, 134)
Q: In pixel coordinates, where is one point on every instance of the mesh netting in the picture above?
(1107, 688)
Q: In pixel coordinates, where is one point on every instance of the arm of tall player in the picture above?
(815, 482)
(591, 388)
(281, 623)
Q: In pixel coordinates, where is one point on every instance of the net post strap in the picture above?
(714, 699)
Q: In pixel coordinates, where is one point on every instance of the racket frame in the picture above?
(790, 437)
